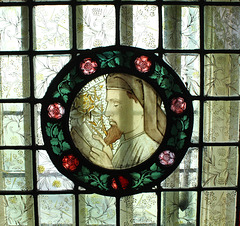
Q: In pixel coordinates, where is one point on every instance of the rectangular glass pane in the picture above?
(140, 209)
(97, 210)
(222, 75)
(14, 28)
(49, 178)
(196, 117)
(52, 27)
(218, 208)
(46, 68)
(56, 209)
(220, 166)
(15, 124)
(15, 170)
(14, 77)
(221, 121)
(186, 174)
(181, 29)
(17, 210)
(178, 208)
(95, 26)
(38, 128)
(139, 26)
(187, 66)
(221, 27)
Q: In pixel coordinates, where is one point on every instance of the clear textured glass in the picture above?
(49, 178)
(95, 26)
(97, 210)
(187, 66)
(15, 170)
(14, 28)
(15, 127)
(52, 27)
(196, 119)
(56, 209)
(220, 166)
(186, 174)
(140, 209)
(221, 27)
(181, 29)
(221, 121)
(139, 26)
(178, 208)
(14, 82)
(38, 128)
(221, 75)
(218, 208)
(17, 210)
(46, 68)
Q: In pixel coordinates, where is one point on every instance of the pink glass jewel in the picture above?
(55, 111)
(88, 66)
(178, 105)
(167, 158)
(143, 64)
(70, 162)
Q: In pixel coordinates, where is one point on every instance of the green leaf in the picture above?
(186, 124)
(182, 135)
(101, 57)
(136, 176)
(48, 131)
(56, 94)
(171, 141)
(180, 144)
(109, 54)
(65, 146)
(147, 181)
(179, 125)
(65, 90)
(84, 178)
(154, 167)
(103, 64)
(55, 131)
(56, 150)
(176, 88)
(104, 178)
(85, 170)
(65, 98)
(61, 136)
(94, 183)
(157, 67)
(174, 130)
(155, 175)
(164, 71)
(111, 63)
(54, 141)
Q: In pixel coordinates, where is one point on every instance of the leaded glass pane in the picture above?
(52, 27)
(140, 209)
(14, 80)
(15, 124)
(95, 26)
(178, 208)
(222, 74)
(17, 210)
(97, 210)
(221, 121)
(195, 132)
(56, 209)
(38, 129)
(46, 68)
(139, 26)
(181, 27)
(48, 176)
(222, 27)
(13, 28)
(15, 170)
(218, 208)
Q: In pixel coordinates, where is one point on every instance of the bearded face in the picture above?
(113, 134)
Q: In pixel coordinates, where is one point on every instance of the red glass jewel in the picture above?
(88, 66)
(167, 158)
(70, 162)
(55, 110)
(178, 105)
(124, 182)
(114, 184)
(143, 64)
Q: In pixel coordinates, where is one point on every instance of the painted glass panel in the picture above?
(222, 27)
(195, 133)
(97, 210)
(140, 209)
(139, 26)
(38, 129)
(95, 26)
(52, 27)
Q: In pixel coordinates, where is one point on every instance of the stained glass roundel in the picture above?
(117, 121)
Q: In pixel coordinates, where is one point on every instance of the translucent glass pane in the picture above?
(95, 26)
(97, 210)
(139, 26)
(218, 208)
(56, 209)
(17, 210)
(14, 77)
(15, 127)
(13, 28)
(178, 208)
(38, 128)
(222, 74)
(48, 176)
(186, 174)
(222, 28)
(196, 118)
(46, 68)
(188, 69)
(15, 170)
(140, 209)
(220, 166)
(181, 29)
(52, 27)
(221, 121)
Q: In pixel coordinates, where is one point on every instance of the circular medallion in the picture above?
(117, 121)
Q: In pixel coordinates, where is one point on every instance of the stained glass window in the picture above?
(198, 39)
